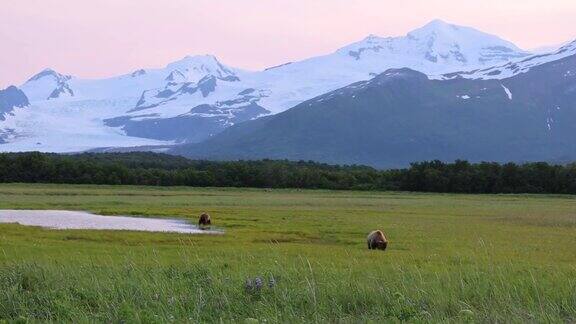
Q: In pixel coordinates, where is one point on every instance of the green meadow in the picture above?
(451, 258)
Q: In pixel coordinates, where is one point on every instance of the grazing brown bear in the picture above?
(377, 240)
(204, 220)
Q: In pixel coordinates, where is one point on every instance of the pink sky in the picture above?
(102, 38)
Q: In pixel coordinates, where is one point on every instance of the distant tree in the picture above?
(165, 170)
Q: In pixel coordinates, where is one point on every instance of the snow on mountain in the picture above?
(515, 67)
(68, 113)
(72, 127)
(548, 48)
(194, 68)
(402, 116)
(48, 85)
(203, 96)
(189, 69)
(438, 46)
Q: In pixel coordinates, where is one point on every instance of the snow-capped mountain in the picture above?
(194, 98)
(435, 47)
(517, 66)
(403, 116)
(48, 85)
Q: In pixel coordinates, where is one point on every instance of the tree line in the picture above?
(154, 169)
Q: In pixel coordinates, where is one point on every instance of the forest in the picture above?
(154, 169)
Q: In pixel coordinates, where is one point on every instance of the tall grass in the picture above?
(305, 291)
(452, 258)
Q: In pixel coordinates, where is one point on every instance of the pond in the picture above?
(63, 219)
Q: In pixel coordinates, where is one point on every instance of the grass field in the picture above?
(451, 258)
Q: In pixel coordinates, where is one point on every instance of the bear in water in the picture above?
(377, 241)
(204, 220)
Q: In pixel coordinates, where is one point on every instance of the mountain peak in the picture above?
(11, 90)
(48, 84)
(197, 66)
(11, 98)
(436, 46)
(443, 29)
(197, 59)
(50, 73)
(438, 23)
(44, 73)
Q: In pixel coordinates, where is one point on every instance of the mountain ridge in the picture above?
(403, 116)
(201, 97)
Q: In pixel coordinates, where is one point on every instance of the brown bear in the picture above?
(377, 240)
(204, 220)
